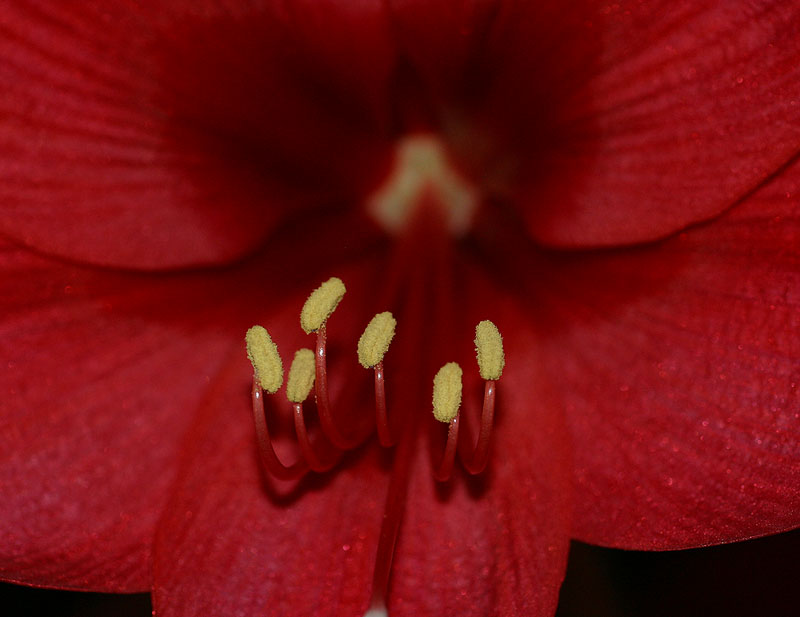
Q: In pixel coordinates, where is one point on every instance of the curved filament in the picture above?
(314, 462)
(473, 458)
(475, 461)
(269, 459)
(323, 401)
(445, 469)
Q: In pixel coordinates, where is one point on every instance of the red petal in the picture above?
(497, 546)
(102, 375)
(613, 123)
(229, 545)
(158, 136)
(679, 363)
(105, 373)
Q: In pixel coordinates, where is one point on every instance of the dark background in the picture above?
(754, 578)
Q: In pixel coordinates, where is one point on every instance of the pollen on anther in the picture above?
(374, 343)
(447, 392)
(263, 355)
(321, 303)
(489, 349)
(301, 376)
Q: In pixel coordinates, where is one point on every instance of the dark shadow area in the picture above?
(758, 577)
(17, 601)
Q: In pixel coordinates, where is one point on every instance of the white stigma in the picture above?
(421, 164)
(377, 612)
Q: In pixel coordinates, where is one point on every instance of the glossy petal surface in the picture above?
(102, 375)
(154, 137)
(178, 135)
(679, 365)
(610, 124)
(105, 373)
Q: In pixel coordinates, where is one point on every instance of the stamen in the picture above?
(321, 304)
(489, 349)
(264, 357)
(301, 376)
(374, 343)
(473, 460)
(447, 392)
(491, 360)
(309, 370)
(372, 347)
(298, 387)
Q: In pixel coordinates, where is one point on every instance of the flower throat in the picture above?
(309, 371)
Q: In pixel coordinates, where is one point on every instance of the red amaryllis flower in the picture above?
(614, 185)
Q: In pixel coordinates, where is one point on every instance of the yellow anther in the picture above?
(321, 303)
(264, 357)
(301, 376)
(447, 392)
(374, 343)
(489, 348)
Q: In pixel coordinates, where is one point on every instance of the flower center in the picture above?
(309, 372)
(422, 173)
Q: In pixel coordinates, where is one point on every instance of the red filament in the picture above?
(381, 419)
(269, 459)
(473, 459)
(337, 442)
(314, 462)
(323, 402)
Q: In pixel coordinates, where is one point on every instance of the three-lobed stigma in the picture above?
(423, 166)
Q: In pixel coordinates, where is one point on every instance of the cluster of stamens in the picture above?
(309, 371)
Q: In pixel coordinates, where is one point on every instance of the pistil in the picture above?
(422, 164)
(372, 346)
